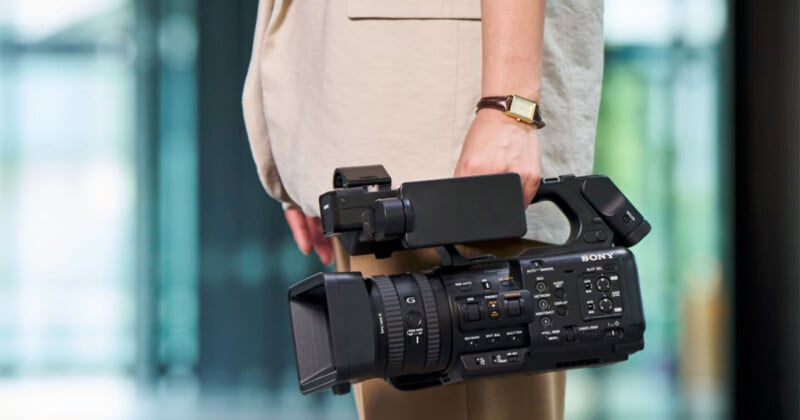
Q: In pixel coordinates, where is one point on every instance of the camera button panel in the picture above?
(493, 360)
(601, 295)
(493, 339)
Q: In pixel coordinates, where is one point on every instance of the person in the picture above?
(340, 83)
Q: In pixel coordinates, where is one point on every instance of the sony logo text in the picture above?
(597, 257)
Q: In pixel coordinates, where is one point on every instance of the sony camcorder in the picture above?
(559, 307)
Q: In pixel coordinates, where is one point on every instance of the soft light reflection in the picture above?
(107, 191)
(67, 397)
(33, 20)
(660, 22)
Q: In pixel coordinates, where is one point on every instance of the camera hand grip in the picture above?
(598, 213)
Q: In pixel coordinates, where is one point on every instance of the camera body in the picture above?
(536, 312)
(551, 308)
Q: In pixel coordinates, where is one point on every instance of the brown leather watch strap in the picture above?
(523, 110)
(503, 103)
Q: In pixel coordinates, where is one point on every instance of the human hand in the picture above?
(307, 232)
(496, 144)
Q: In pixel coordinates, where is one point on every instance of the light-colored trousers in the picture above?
(514, 397)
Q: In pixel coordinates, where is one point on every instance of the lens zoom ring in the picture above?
(394, 326)
(431, 319)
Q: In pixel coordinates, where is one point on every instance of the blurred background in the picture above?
(143, 270)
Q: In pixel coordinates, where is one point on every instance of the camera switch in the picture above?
(499, 359)
(569, 334)
(514, 307)
(473, 312)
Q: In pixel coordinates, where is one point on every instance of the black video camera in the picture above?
(551, 308)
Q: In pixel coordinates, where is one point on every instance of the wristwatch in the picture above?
(517, 107)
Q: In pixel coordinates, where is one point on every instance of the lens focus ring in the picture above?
(431, 319)
(394, 325)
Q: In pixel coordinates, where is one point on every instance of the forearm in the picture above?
(512, 33)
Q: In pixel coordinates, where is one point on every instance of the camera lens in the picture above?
(412, 324)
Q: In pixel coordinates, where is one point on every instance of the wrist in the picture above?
(496, 118)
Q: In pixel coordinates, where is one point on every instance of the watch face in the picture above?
(522, 109)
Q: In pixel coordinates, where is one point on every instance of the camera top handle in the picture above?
(598, 213)
(371, 218)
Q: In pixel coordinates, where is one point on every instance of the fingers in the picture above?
(307, 233)
(297, 224)
(322, 244)
(530, 184)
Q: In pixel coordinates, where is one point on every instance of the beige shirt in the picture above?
(355, 82)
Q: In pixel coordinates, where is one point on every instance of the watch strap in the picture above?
(503, 103)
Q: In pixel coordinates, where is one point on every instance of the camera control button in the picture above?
(514, 307)
(605, 305)
(545, 321)
(514, 336)
(541, 287)
(543, 304)
(414, 319)
(560, 293)
(593, 236)
(472, 341)
(561, 310)
(494, 314)
(473, 312)
(603, 284)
